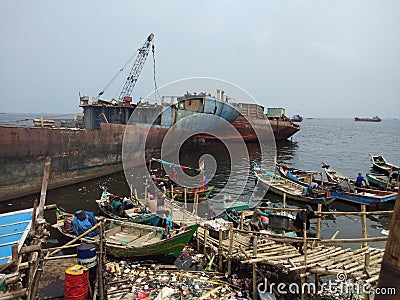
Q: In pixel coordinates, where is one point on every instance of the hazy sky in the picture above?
(316, 58)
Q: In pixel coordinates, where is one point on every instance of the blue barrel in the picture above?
(87, 255)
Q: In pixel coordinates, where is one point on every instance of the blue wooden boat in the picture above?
(364, 196)
(344, 190)
(293, 190)
(14, 228)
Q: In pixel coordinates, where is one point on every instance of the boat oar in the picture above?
(327, 202)
(75, 239)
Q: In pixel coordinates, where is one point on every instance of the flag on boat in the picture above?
(201, 166)
(176, 165)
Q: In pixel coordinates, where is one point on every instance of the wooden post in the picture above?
(304, 295)
(101, 287)
(364, 224)
(220, 250)
(255, 296)
(33, 223)
(44, 186)
(172, 191)
(185, 204)
(196, 202)
(185, 196)
(230, 250)
(14, 253)
(150, 165)
(317, 296)
(197, 239)
(145, 192)
(205, 240)
(241, 220)
(389, 276)
(255, 242)
(284, 200)
(367, 261)
(319, 221)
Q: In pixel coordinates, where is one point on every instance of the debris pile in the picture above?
(133, 280)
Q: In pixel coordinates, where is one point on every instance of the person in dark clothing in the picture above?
(359, 181)
(302, 217)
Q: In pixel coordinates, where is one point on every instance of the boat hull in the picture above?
(128, 245)
(361, 198)
(77, 155)
(280, 186)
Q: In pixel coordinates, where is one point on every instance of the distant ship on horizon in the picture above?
(374, 119)
(296, 118)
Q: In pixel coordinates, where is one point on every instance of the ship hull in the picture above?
(77, 155)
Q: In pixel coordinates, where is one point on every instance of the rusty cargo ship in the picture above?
(81, 154)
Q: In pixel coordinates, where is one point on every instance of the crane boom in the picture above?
(137, 67)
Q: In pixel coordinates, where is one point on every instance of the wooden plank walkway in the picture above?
(180, 215)
(323, 257)
(361, 264)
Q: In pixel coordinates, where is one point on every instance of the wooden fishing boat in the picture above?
(179, 194)
(361, 195)
(382, 182)
(135, 213)
(302, 177)
(333, 175)
(293, 190)
(346, 191)
(380, 164)
(132, 240)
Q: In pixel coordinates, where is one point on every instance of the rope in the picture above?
(154, 76)
(117, 74)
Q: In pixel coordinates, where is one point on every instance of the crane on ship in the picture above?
(142, 54)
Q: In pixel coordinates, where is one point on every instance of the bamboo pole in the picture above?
(145, 192)
(255, 242)
(319, 221)
(364, 224)
(33, 223)
(255, 296)
(172, 191)
(75, 239)
(44, 186)
(101, 287)
(389, 276)
(286, 239)
(241, 220)
(350, 213)
(230, 250)
(284, 200)
(220, 250)
(367, 261)
(205, 241)
(197, 239)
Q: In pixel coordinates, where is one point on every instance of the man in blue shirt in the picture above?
(168, 223)
(360, 180)
(83, 221)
